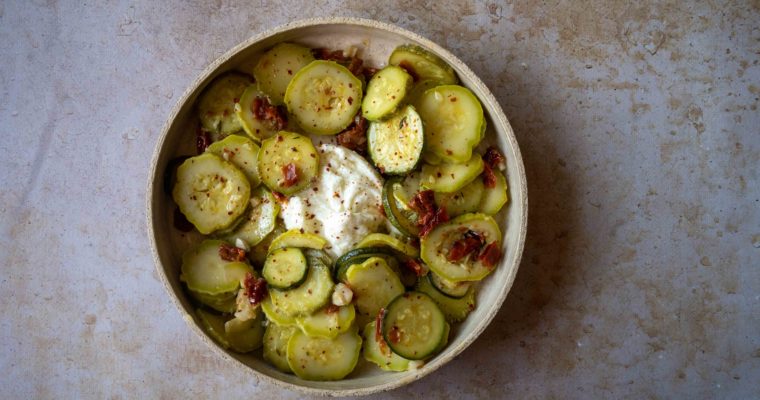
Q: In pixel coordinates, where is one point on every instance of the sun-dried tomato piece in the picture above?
(202, 140)
(394, 335)
(369, 72)
(470, 243)
(490, 255)
(429, 214)
(272, 115)
(493, 161)
(414, 266)
(379, 332)
(289, 175)
(352, 63)
(355, 136)
(231, 253)
(255, 288)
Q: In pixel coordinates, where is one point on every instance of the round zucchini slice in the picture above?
(210, 192)
(377, 351)
(276, 345)
(385, 92)
(395, 145)
(260, 220)
(414, 326)
(255, 128)
(422, 64)
(285, 268)
(453, 120)
(308, 297)
(294, 238)
(357, 256)
(496, 197)
(449, 178)
(463, 201)
(436, 245)
(287, 162)
(205, 272)
(374, 285)
(277, 67)
(241, 152)
(324, 97)
(455, 309)
(328, 321)
(216, 106)
(323, 359)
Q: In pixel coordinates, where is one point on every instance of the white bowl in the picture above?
(375, 40)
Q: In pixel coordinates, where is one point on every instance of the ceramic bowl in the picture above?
(375, 41)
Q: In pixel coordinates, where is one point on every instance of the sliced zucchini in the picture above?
(287, 162)
(455, 310)
(258, 253)
(311, 295)
(404, 219)
(276, 345)
(419, 89)
(436, 245)
(285, 268)
(242, 336)
(463, 201)
(275, 314)
(322, 359)
(374, 285)
(255, 128)
(377, 351)
(385, 92)
(357, 256)
(277, 67)
(414, 326)
(241, 152)
(422, 64)
(455, 290)
(324, 97)
(223, 302)
(259, 222)
(496, 197)
(395, 145)
(385, 240)
(210, 192)
(216, 105)
(448, 178)
(328, 321)
(294, 238)
(453, 120)
(205, 272)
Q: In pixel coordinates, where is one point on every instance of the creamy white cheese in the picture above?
(343, 205)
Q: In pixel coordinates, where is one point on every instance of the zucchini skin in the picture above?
(413, 342)
(395, 145)
(386, 92)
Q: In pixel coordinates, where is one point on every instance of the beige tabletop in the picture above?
(639, 129)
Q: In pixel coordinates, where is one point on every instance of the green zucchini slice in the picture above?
(377, 351)
(374, 285)
(205, 272)
(324, 97)
(453, 120)
(234, 334)
(275, 314)
(285, 268)
(294, 238)
(260, 220)
(385, 92)
(241, 152)
(311, 295)
(448, 178)
(395, 145)
(436, 245)
(463, 201)
(455, 310)
(210, 192)
(414, 326)
(277, 67)
(404, 219)
(287, 162)
(216, 105)
(323, 359)
(255, 128)
(328, 322)
(385, 240)
(276, 345)
(422, 64)
(496, 197)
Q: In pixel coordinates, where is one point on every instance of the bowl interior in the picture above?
(375, 42)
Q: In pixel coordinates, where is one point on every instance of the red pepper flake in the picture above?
(269, 114)
(354, 137)
(289, 175)
(231, 253)
(493, 160)
(331, 309)
(429, 214)
(202, 140)
(409, 69)
(255, 288)
(395, 334)
(414, 266)
(470, 243)
(490, 255)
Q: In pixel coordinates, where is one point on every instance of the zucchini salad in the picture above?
(337, 212)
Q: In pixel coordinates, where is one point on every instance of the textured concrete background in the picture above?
(641, 137)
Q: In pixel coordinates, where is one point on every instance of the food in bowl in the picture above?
(345, 211)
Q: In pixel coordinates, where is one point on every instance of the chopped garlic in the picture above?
(241, 244)
(342, 295)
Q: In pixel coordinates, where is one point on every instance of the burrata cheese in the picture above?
(343, 205)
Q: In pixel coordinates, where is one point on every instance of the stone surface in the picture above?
(638, 124)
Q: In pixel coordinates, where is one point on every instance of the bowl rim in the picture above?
(499, 117)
